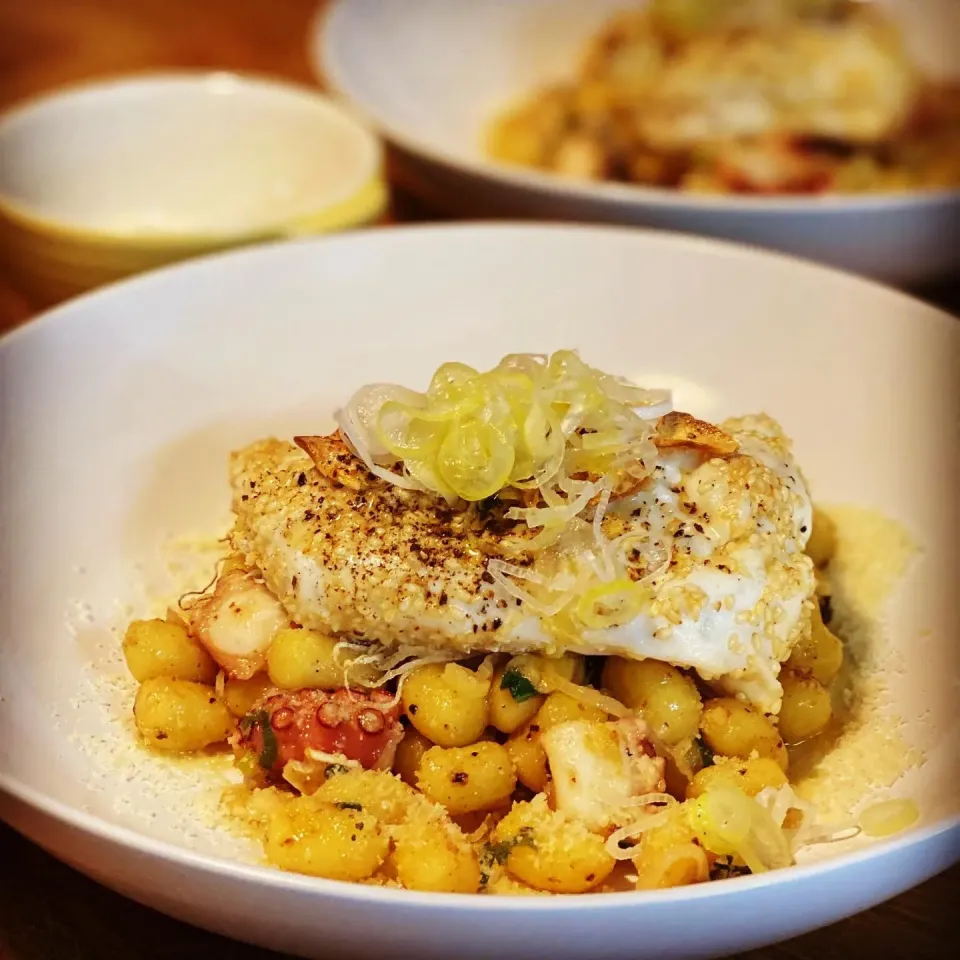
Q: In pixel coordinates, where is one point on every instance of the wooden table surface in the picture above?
(47, 911)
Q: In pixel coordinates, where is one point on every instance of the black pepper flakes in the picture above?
(301, 479)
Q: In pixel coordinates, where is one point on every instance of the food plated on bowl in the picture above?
(741, 96)
(509, 635)
(138, 528)
(822, 129)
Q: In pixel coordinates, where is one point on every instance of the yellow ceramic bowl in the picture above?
(110, 178)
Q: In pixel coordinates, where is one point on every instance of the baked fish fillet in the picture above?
(348, 553)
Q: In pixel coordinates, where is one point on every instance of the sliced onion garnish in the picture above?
(730, 823)
(587, 695)
(358, 418)
(658, 404)
(612, 604)
(811, 831)
(553, 516)
(513, 570)
(545, 608)
(536, 403)
(574, 436)
(607, 569)
(398, 480)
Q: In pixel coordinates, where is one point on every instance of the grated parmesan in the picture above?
(869, 752)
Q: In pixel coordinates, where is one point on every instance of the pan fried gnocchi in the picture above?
(482, 725)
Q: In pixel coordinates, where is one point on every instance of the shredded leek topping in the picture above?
(550, 434)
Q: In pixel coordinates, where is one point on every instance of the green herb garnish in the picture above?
(706, 754)
(498, 852)
(519, 686)
(333, 769)
(268, 752)
(348, 805)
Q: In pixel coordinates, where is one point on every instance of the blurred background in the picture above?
(47, 44)
(493, 109)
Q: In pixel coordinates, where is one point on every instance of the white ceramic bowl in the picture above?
(431, 73)
(120, 409)
(107, 178)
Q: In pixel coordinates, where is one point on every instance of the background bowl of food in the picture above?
(824, 128)
(112, 177)
(156, 579)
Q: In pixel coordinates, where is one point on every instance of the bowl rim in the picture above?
(945, 831)
(330, 71)
(364, 202)
(273, 246)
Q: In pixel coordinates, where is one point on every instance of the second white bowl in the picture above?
(430, 74)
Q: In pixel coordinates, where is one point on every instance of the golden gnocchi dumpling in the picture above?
(560, 707)
(338, 841)
(434, 856)
(387, 797)
(299, 659)
(549, 851)
(513, 699)
(528, 757)
(410, 751)
(179, 716)
(668, 699)
(447, 703)
(751, 776)
(806, 708)
(735, 729)
(468, 779)
(241, 695)
(159, 648)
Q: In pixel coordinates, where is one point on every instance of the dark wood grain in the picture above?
(50, 912)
